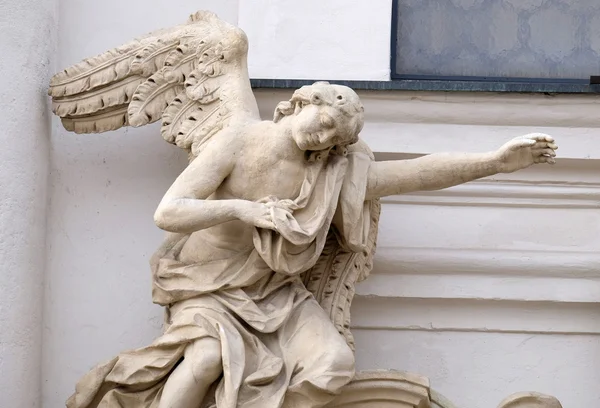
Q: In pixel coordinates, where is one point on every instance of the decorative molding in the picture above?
(494, 287)
(384, 389)
(569, 261)
(425, 138)
(530, 400)
(398, 389)
(474, 315)
(509, 193)
(487, 109)
(541, 286)
(484, 261)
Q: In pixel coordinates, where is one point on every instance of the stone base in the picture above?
(384, 389)
(397, 389)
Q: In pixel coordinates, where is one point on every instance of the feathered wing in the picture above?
(193, 76)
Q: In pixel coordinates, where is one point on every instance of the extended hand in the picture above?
(524, 151)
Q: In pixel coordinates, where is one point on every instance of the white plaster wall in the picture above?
(488, 289)
(27, 41)
(316, 39)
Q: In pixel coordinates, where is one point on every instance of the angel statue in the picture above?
(268, 227)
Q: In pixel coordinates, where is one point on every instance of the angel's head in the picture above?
(322, 116)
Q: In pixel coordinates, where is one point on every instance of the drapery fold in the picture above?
(275, 339)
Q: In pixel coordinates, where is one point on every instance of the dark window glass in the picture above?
(538, 39)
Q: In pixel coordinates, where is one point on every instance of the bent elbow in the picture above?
(159, 218)
(162, 217)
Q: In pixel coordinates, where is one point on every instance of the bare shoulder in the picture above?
(222, 150)
(254, 142)
(227, 141)
(213, 164)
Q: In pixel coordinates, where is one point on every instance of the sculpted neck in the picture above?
(284, 139)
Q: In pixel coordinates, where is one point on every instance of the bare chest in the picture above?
(265, 175)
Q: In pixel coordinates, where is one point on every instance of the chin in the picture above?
(303, 146)
(311, 147)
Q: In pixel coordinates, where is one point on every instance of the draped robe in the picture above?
(255, 303)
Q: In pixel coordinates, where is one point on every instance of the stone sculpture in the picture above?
(269, 226)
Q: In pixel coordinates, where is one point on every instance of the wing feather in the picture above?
(108, 67)
(115, 94)
(110, 119)
(153, 57)
(178, 111)
(193, 76)
(113, 65)
(197, 126)
(151, 98)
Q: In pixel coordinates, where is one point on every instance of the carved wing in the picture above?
(333, 277)
(193, 76)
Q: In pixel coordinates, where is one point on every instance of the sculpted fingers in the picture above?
(257, 214)
(271, 208)
(523, 151)
(521, 143)
(541, 144)
(285, 205)
(544, 152)
(268, 200)
(538, 140)
(545, 155)
(265, 223)
(542, 140)
(539, 137)
(544, 159)
(545, 145)
(550, 145)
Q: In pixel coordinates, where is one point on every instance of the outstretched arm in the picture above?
(442, 170)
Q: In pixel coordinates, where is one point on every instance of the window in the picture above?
(539, 44)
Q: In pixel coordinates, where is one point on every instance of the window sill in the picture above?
(439, 85)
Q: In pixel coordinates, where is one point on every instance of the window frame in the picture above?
(479, 83)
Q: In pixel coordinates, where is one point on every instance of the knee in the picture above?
(336, 366)
(332, 369)
(204, 358)
(340, 356)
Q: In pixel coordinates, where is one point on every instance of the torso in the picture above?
(266, 166)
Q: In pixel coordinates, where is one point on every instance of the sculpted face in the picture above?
(318, 128)
(327, 115)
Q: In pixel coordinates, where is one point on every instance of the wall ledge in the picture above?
(441, 85)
